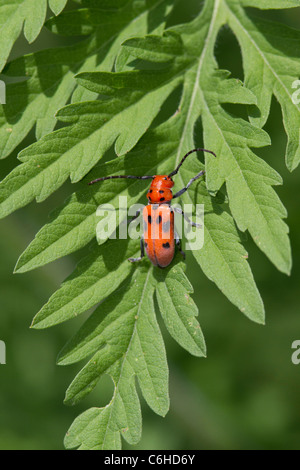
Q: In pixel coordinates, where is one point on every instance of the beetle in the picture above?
(159, 235)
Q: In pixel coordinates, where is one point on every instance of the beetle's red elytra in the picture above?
(159, 235)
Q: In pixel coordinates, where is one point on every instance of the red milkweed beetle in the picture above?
(159, 235)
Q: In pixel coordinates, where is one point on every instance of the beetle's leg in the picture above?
(180, 211)
(183, 190)
(134, 260)
(178, 243)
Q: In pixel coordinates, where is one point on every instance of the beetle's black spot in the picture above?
(146, 244)
(161, 191)
(158, 220)
(149, 199)
(149, 219)
(150, 190)
(166, 245)
(162, 199)
(165, 178)
(166, 226)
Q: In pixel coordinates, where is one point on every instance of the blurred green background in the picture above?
(245, 395)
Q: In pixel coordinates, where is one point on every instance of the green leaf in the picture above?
(14, 15)
(179, 311)
(136, 97)
(134, 352)
(268, 4)
(95, 277)
(49, 74)
(248, 178)
(73, 151)
(89, 431)
(57, 6)
(271, 67)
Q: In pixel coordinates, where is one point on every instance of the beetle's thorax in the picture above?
(160, 190)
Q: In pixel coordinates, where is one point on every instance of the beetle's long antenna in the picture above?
(186, 155)
(120, 176)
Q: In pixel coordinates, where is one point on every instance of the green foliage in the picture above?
(50, 73)
(126, 68)
(30, 13)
